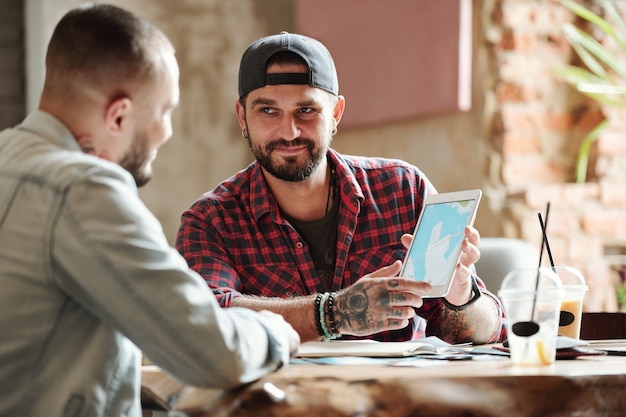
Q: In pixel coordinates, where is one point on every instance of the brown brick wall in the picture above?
(536, 126)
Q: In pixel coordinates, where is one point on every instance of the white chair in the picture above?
(500, 255)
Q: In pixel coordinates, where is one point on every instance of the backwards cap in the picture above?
(252, 70)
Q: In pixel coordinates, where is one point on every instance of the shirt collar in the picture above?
(47, 126)
(349, 188)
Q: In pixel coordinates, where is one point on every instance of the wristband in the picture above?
(332, 327)
(322, 313)
(325, 331)
(318, 303)
(476, 295)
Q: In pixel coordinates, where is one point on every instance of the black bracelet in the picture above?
(476, 295)
(332, 327)
(318, 322)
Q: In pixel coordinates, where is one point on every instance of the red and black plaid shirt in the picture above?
(236, 238)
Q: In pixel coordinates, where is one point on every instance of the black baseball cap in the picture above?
(252, 70)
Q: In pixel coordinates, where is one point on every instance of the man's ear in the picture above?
(117, 115)
(340, 106)
(241, 114)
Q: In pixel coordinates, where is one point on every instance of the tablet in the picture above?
(438, 237)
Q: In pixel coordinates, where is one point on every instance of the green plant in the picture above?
(621, 290)
(603, 77)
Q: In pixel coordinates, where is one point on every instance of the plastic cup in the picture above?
(572, 304)
(531, 298)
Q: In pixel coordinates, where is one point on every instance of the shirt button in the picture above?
(299, 245)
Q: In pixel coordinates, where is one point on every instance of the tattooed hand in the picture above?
(379, 301)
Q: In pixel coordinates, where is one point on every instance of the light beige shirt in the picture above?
(87, 276)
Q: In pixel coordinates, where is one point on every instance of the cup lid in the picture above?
(530, 280)
(569, 276)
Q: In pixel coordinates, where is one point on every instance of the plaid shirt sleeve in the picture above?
(204, 249)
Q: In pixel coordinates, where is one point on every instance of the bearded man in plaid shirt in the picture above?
(318, 236)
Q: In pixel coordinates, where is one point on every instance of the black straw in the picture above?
(544, 241)
(544, 227)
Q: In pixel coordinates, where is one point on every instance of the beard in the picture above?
(138, 160)
(288, 168)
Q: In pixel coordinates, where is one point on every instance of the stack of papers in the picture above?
(370, 348)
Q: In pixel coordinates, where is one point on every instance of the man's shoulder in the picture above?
(229, 192)
(42, 146)
(35, 158)
(369, 163)
(71, 167)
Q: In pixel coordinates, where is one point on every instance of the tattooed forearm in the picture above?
(456, 326)
(475, 324)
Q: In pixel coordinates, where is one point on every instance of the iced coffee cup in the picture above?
(572, 304)
(531, 298)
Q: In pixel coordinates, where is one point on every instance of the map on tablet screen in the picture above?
(437, 239)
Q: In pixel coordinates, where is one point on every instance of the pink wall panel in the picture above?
(396, 60)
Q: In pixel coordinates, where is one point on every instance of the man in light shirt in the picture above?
(87, 276)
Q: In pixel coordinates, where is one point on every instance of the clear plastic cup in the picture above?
(572, 304)
(531, 298)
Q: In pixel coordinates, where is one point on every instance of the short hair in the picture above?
(103, 46)
(284, 58)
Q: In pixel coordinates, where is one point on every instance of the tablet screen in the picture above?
(437, 240)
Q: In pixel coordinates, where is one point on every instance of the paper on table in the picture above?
(368, 348)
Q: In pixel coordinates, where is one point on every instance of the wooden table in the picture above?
(586, 386)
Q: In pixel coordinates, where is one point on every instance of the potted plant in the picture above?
(603, 76)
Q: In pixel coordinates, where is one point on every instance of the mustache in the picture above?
(282, 143)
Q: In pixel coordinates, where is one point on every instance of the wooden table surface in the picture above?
(586, 386)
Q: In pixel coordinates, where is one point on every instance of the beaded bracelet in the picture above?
(327, 335)
(324, 312)
(332, 327)
(318, 303)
